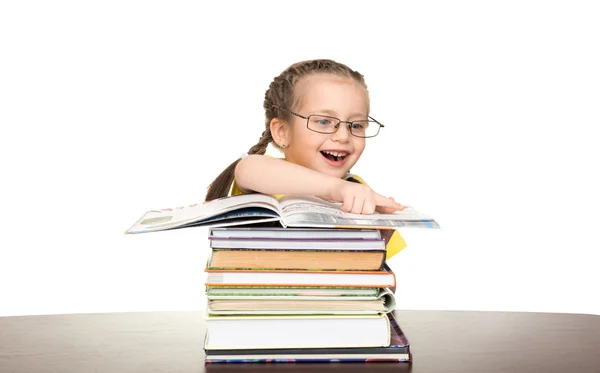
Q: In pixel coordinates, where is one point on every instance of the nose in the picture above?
(343, 132)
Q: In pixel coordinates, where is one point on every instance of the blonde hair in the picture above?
(281, 94)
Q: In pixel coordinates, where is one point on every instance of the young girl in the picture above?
(317, 114)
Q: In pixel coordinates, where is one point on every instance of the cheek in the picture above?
(309, 140)
(359, 147)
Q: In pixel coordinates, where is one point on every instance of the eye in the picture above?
(360, 125)
(321, 121)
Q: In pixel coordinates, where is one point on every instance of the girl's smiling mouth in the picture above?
(335, 157)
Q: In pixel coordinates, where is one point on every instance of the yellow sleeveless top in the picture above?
(394, 241)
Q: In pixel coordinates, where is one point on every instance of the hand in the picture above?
(388, 210)
(361, 199)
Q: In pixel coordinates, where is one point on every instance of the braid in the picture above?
(220, 186)
(263, 142)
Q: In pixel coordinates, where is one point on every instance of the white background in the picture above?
(112, 108)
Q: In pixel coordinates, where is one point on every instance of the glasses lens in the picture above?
(364, 128)
(322, 123)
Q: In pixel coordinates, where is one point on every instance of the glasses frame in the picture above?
(337, 126)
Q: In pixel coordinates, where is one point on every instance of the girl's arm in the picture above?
(268, 175)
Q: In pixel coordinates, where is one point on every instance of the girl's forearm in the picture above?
(268, 175)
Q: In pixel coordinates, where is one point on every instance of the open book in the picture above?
(288, 210)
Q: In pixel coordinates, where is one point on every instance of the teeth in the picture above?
(336, 154)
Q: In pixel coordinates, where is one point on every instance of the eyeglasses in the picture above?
(326, 124)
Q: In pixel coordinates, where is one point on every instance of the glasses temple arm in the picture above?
(376, 121)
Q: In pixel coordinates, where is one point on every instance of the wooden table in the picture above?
(442, 341)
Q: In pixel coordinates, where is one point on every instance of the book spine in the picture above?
(264, 361)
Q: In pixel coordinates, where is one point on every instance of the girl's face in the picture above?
(332, 154)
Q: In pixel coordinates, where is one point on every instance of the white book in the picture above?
(297, 331)
(293, 233)
(297, 244)
(215, 292)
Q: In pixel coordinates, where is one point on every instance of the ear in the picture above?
(280, 132)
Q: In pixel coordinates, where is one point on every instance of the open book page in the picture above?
(288, 306)
(382, 302)
(228, 209)
(309, 211)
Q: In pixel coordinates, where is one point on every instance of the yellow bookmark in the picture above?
(395, 244)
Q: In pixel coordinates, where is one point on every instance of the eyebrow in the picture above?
(334, 114)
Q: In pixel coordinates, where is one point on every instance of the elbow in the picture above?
(244, 170)
(240, 170)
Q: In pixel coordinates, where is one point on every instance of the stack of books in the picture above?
(295, 279)
(300, 295)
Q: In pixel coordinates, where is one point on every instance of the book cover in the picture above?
(293, 233)
(278, 259)
(384, 278)
(277, 291)
(398, 350)
(297, 331)
(297, 243)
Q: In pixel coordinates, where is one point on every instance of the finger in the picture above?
(389, 210)
(325, 198)
(347, 203)
(369, 206)
(357, 207)
(384, 210)
(388, 202)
